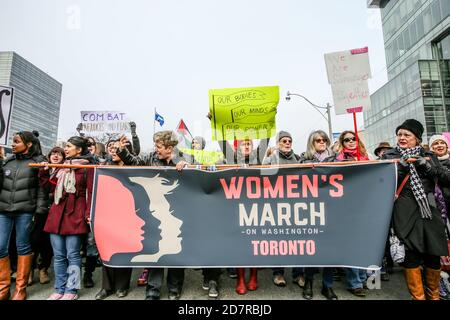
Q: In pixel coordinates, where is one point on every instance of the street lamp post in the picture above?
(327, 108)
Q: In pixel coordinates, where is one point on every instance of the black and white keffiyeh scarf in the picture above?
(415, 182)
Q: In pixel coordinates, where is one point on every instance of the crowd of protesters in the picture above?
(44, 212)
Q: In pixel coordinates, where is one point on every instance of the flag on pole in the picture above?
(159, 118)
(184, 136)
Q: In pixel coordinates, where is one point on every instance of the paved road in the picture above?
(395, 289)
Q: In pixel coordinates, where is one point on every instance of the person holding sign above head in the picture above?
(416, 219)
(245, 154)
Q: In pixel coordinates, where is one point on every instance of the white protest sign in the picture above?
(351, 97)
(100, 122)
(6, 106)
(348, 73)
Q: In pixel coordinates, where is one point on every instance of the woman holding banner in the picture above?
(351, 150)
(318, 150)
(40, 240)
(68, 217)
(416, 219)
(21, 197)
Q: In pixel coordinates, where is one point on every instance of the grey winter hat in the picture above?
(283, 134)
(200, 140)
(437, 137)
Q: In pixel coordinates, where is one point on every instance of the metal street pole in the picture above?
(328, 111)
(330, 129)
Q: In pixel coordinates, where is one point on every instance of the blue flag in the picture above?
(159, 118)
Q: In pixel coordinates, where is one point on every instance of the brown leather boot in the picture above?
(23, 272)
(253, 281)
(413, 278)
(432, 277)
(5, 278)
(241, 288)
(43, 276)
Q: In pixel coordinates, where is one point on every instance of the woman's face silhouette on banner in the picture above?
(116, 219)
(117, 224)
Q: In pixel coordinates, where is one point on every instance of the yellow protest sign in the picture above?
(203, 156)
(243, 113)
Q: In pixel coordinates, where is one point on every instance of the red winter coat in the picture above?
(69, 216)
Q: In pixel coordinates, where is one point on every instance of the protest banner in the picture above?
(204, 157)
(243, 113)
(251, 217)
(99, 123)
(6, 106)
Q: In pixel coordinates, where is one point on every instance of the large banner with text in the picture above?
(251, 217)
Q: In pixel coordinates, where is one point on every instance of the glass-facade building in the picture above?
(37, 98)
(417, 43)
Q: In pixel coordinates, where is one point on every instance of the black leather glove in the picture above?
(403, 163)
(133, 128)
(423, 165)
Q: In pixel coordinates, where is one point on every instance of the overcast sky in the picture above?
(137, 55)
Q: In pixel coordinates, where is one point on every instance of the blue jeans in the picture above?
(67, 262)
(355, 277)
(23, 222)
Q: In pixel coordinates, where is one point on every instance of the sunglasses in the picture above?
(286, 141)
(347, 140)
(320, 140)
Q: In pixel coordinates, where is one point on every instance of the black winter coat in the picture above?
(21, 191)
(420, 235)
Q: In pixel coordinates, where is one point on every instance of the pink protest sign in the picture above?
(446, 136)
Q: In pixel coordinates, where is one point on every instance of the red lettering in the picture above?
(312, 187)
(232, 192)
(273, 192)
(250, 193)
(291, 185)
(339, 192)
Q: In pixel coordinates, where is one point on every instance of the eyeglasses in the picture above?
(347, 140)
(320, 140)
(286, 141)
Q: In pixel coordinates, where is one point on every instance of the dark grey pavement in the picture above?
(395, 289)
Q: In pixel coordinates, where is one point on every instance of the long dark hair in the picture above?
(80, 142)
(26, 137)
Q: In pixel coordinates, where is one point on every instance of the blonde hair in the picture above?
(168, 138)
